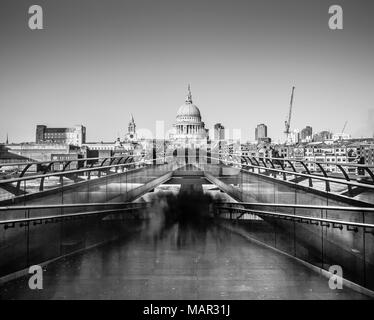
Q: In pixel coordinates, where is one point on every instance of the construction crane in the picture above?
(287, 123)
(345, 124)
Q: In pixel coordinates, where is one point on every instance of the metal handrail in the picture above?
(306, 218)
(68, 172)
(10, 164)
(300, 206)
(64, 216)
(346, 164)
(339, 181)
(67, 205)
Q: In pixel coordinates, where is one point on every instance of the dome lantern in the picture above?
(189, 96)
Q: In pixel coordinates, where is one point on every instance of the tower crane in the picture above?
(287, 123)
(345, 124)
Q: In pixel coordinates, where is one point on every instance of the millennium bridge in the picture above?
(250, 228)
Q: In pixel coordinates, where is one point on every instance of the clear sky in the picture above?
(97, 61)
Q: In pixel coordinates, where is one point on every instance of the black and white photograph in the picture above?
(165, 151)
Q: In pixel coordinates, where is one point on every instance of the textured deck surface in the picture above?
(178, 264)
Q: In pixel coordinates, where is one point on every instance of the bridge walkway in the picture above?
(178, 264)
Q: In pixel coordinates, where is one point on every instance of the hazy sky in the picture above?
(97, 61)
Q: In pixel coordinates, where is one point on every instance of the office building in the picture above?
(75, 136)
(219, 132)
(261, 132)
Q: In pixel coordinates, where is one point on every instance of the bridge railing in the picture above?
(341, 170)
(320, 235)
(42, 167)
(34, 234)
(346, 187)
(96, 183)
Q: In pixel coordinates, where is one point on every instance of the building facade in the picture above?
(306, 134)
(322, 136)
(75, 136)
(367, 152)
(188, 125)
(341, 136)
(6, 156)
(44, 152)
(261, 132)
(294, 137)
(219, 132)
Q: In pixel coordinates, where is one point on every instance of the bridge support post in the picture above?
(327, 184)
(154, 152)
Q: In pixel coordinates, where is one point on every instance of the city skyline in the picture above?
(170, 150)
(94, 64)
(232, 133)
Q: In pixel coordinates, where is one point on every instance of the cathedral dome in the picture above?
(188, 110)
(189, 126)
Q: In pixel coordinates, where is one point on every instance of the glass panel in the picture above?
(369, 251)
(308, 236)
(40, 250)
(342, 247)
(285, 236)
(13, 248)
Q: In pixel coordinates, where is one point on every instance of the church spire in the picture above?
(7, 139)
(189, 96)
(132, 126)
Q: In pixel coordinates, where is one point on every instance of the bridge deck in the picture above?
(179, 264)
